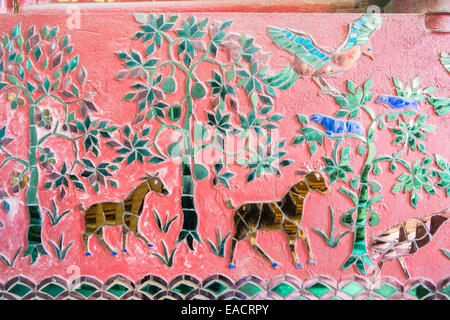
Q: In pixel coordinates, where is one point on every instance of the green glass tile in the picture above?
(419, 291)
(151, 289)
(335, 298)
(117, 289)
(234, 298)
(52, 289)
(446, 290)
(216, 287)
(301, 298)
(249, 289)
(183, 288)
(86, 290)
(386, 290)
(318, 289)
(352, 289)
(19, 289)
(283, 289)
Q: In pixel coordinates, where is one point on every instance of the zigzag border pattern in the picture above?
(220, 287)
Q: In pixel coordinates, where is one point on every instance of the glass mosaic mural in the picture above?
(212, 156)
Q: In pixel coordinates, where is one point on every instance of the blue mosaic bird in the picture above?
(398, 102)
(311, 60)
(337, 126)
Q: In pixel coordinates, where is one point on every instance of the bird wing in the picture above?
(360, 30)
(301, 45)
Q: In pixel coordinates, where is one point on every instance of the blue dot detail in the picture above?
(150, 245)
(298, 265)
(88, 254)
(114, 253)
(125, 250)
(274, 264)
(312, 261)
(232, 266)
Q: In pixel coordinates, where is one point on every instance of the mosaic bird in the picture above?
(406, 238)
(310, 60)
(336, 126)
(398, 102)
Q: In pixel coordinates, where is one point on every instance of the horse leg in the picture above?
(125, 231)
(99, 235)
(404, 267)
(134, 222)
(303, 236)
(259, 250)
(86, 235)
(291, 231)
(232, 249)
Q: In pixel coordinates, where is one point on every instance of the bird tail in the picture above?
(284, 79)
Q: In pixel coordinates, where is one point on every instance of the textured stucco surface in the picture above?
(402, 49)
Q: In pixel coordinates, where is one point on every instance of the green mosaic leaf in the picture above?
(174, 149)
(200, 171)
(446, 253)
(313, 148)
(37, 53)
(198, 91)
(73, 63)
(169, 85)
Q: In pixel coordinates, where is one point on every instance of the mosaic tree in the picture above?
(169, 90)
(408, 125)
(38, 70)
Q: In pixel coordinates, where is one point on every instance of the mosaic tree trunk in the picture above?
(197, 44)
(33, 67)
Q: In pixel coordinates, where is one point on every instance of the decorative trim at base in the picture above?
(220, 287)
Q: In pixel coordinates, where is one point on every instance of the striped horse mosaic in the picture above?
(285, 215)
(125, 213)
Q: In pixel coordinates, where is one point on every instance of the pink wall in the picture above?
(402, 48)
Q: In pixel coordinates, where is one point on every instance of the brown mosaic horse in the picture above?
(285, 215)
(125, 213)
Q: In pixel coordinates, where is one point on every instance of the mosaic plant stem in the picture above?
(190, 217)
(359, 253)
(35, 246)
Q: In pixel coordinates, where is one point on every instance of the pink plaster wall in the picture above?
(402, 48)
